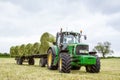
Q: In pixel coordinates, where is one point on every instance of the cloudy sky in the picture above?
(23, 21)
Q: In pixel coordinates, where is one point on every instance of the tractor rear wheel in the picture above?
(50, 60)
(94, 68)
(31, 61)
(64, 63)
(43, 62)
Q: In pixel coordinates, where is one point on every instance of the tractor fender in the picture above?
(53, 50)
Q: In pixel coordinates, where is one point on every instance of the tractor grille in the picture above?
(81, 49)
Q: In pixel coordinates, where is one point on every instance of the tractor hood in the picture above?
(78, 48)
(76, 44)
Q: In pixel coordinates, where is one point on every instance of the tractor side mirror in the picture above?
(85, 37)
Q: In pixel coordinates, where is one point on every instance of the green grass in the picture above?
(9, 70)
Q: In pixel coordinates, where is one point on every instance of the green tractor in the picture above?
(68, 53)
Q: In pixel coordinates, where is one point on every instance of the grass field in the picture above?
(9, 70)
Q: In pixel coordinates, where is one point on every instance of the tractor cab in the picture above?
(66, 39)
(70, 38)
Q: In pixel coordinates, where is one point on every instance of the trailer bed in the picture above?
(39, 56)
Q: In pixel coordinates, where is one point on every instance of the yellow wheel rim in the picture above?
(49, 59)
(60, 64)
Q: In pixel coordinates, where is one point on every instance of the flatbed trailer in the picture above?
(30, 59)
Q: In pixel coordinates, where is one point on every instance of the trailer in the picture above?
(27, 52)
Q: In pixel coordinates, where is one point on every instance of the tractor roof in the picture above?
(68, 32)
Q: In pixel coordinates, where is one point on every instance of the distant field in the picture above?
(9, 70)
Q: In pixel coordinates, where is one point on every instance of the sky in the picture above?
(24, 21)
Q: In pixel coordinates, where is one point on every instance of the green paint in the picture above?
(83, 60)
(57, 54)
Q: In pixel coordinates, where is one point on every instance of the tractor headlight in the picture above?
(83, 51)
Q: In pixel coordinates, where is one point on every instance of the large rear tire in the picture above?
(50, 60)
(94, 68)
(64, 63)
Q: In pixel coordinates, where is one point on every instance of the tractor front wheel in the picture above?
(64, 63)
(94, 68)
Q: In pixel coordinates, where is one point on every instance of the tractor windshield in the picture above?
(69, 38)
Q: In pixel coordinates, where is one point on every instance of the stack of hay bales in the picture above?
(41, 47)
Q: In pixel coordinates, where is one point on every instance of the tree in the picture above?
(103, 48)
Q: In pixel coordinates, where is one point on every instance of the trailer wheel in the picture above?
(43, 62)
(19, 61)
(94, 68)
(31, 61)
(64, 63)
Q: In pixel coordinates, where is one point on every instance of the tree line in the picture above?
(4, 55)
(41, 47)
